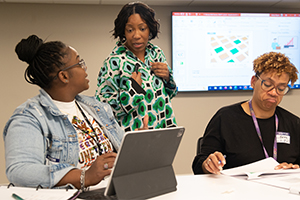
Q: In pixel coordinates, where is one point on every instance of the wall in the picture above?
(86, 27)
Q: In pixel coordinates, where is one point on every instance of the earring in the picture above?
(66, 81)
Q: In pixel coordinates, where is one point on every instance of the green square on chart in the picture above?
(234, 51)
(219, 49)
(237, 41)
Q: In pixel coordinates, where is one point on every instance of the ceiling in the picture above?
(188, 3)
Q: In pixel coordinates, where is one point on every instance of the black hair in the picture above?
(146, 13)
(43, 59)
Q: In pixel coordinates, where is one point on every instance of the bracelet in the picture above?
(82, 181)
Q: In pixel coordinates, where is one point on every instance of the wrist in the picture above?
(82, 181)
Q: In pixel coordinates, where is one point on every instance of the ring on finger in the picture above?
(105, 166)
(208, 161)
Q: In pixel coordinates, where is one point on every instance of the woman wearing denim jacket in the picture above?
(59, 137)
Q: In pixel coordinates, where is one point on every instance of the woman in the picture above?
(59, 137)
(136, 79)
(259, 128)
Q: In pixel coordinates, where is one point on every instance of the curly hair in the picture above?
(275, 62)
(146, 13)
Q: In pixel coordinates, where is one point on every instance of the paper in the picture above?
(284, 181)
(257, 169)
(33, 194)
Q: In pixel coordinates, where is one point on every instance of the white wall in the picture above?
(86, 27)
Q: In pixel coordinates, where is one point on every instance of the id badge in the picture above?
(283, 137)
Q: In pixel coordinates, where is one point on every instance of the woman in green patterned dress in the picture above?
(135, 78)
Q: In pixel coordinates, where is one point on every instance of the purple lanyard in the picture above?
(259, 134)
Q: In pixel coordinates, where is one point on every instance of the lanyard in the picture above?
(259, 133)
(95, 137)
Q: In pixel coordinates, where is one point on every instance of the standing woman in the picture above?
(135, 78)
(59, 137)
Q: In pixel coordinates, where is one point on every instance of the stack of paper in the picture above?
(257, 169)
(263, 171)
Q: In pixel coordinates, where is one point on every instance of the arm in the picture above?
(93, 175)
(161, 69)
(210, 149)
(26, 145)
(119, 91)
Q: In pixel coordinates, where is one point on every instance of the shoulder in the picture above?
(233, 108)
(31, 105)
(31, 111)
(153, 47)
(281, 112)
(228, 114)
(118, 50)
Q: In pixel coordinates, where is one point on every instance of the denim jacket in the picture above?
(38, 130)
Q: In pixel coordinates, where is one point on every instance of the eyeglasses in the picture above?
(280, 89)
(81, 63)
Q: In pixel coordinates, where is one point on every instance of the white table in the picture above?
(223, 187)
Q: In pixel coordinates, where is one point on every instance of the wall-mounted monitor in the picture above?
(215, 51)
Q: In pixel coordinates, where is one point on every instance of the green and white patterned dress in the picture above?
(130, 101)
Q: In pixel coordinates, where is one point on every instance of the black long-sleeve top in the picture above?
(232, 132)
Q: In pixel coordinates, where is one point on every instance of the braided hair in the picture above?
(43, 59)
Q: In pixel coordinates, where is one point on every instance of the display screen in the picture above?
(215, 51)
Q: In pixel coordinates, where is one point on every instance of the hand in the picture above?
(161, 70)
(214, 163)
(145, 124)
(287, 166)
(137, 77)
(97, 171)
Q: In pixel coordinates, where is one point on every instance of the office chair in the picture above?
(199, 144)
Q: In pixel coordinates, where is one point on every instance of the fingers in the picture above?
(214, 163)
(134, 75)
(287, 166)
(160, 70)
(137, 77)
(108, 159)
(145, 123)
(100, 168)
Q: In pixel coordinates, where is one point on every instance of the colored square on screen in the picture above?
(219, 49)
(234, 51)
(237, 41)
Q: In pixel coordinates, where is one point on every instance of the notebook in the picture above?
(143, 167)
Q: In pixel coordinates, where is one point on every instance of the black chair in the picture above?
(199, 144)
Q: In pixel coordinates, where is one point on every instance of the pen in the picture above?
(220, 162)
(15, 196)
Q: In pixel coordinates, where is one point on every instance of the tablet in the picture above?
(143, 166)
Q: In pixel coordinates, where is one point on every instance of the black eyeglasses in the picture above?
(267, 86)
(81, 63)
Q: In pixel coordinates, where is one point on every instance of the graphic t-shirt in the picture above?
(91, 139)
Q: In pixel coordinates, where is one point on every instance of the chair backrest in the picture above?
(199, 144)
